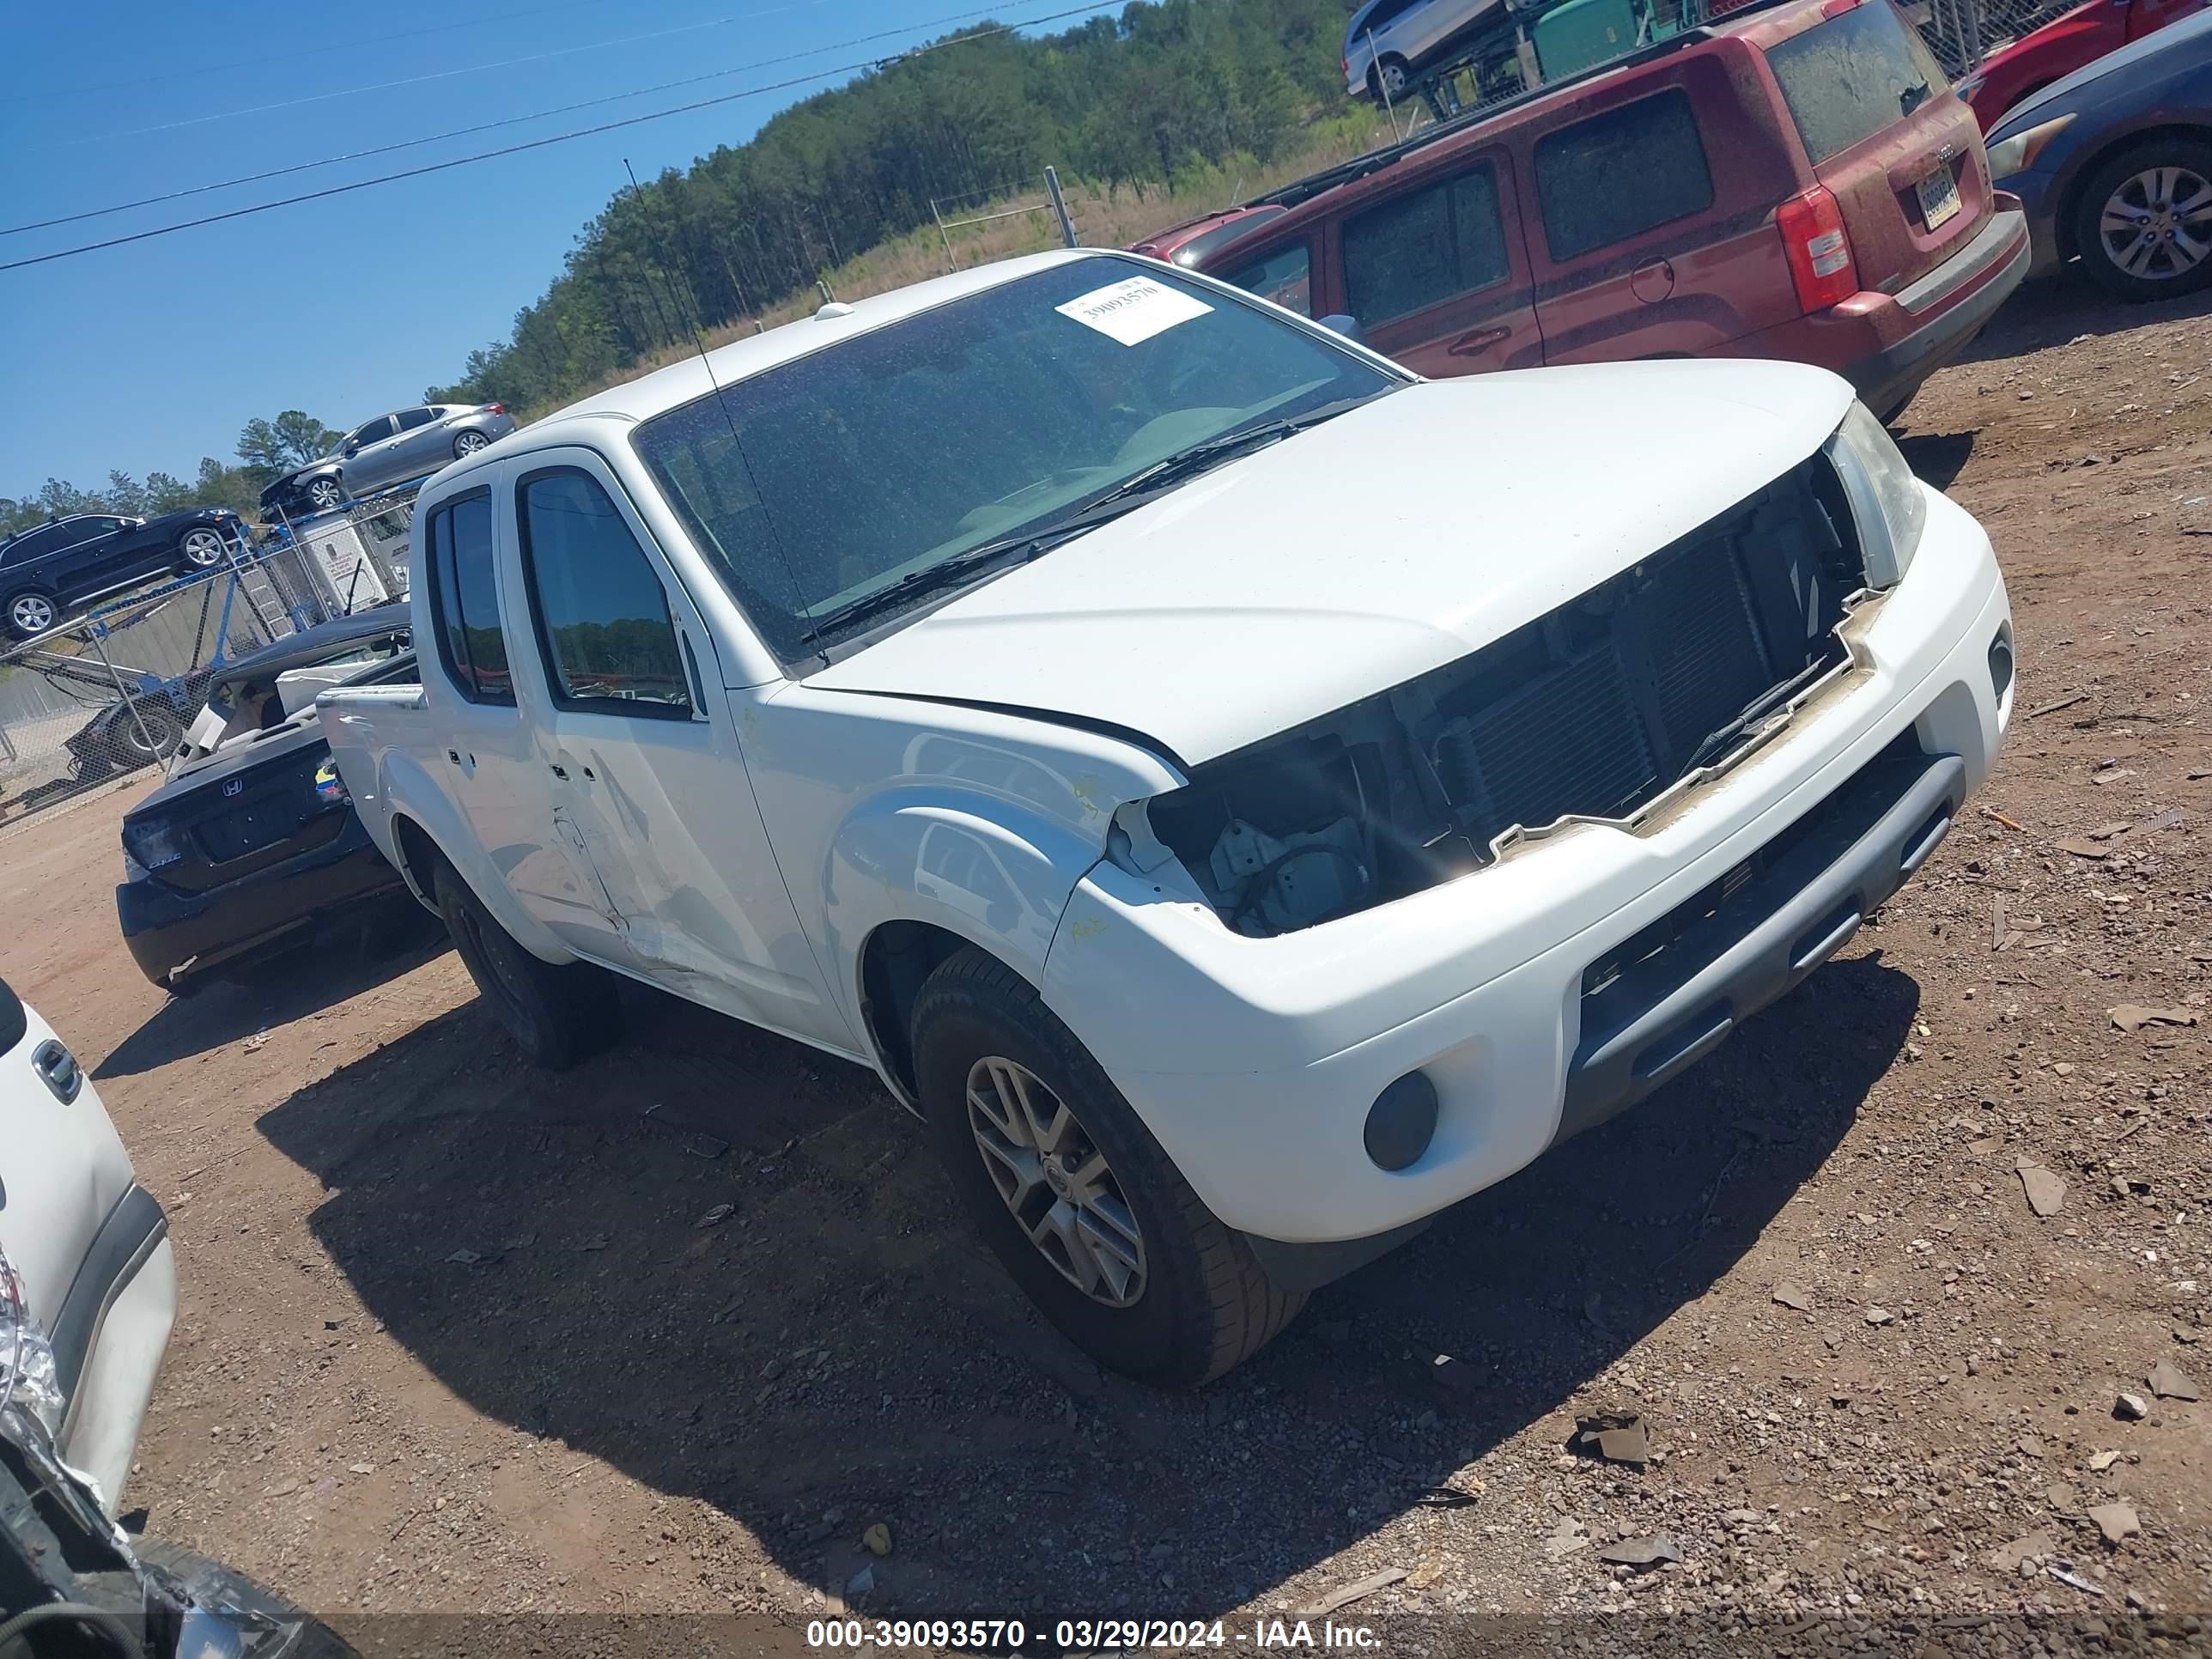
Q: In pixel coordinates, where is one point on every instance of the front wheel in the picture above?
(324, 493)
(2143, 221)
(559, 1015)
(1070, 1189)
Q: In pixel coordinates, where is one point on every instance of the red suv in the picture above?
(1796, 182)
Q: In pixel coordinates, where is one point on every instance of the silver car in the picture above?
(1388, 42)
(392, 449)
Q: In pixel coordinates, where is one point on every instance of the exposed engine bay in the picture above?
(1594, 710)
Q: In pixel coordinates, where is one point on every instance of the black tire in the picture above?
(2167, 272)
(558, 1015)
(194, 553)
(156, 722)
(1389, 63)
(463, 447)
(313, 492)
(1205, 1305)
(26, 624)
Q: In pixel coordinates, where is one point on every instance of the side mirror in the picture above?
(349, 451)
(1348, 326)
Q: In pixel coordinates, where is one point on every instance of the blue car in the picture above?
(2114, 166)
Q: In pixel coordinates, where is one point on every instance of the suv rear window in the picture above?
(1846, 79)
(1621, 174)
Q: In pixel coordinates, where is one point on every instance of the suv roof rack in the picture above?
(1305, 189)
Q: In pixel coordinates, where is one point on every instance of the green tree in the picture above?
(293, 439)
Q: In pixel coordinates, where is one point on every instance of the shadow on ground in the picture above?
(1937, 457)
(839, 1347)
(281, 990)
(2054, 310)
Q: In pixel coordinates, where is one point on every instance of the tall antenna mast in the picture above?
(706, 362)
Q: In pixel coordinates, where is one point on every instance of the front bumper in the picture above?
(172, 932)
(1253, 1062)
(1886, 344)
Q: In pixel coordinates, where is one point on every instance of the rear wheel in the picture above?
(558, 1015)
(2142, 221)
(30, 614)
(468, 443)
(200, 549)
(1069, 1189)
(1387, 76)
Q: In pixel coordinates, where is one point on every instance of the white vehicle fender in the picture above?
(994, 874)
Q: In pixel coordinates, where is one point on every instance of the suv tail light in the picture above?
(1819, 248)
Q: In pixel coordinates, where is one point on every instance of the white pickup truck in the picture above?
(1242, 797)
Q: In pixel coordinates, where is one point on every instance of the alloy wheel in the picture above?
(204, 548)
(2158, 224)
(1063, 1193)
(324, 493)
(32, 613)
(468, 442)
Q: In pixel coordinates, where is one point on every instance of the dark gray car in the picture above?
(2114, 165)
(392, 449)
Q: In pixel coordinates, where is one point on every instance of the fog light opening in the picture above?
(1402, 1122)
(2001, 662)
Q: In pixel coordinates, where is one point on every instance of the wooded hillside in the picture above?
(1166, 87)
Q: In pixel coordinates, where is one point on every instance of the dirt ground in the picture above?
(457, 1338)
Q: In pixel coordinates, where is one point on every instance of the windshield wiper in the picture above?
(1023, 547)
(1190, 461)
(1127, 496)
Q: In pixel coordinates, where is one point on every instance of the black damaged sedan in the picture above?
(252, 847)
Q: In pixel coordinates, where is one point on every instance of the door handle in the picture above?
(1480, 340)
(559, 770)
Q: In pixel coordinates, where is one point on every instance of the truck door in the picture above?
(491, 758)
(641, 749)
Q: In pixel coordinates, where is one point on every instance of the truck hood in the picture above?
(1375, 547)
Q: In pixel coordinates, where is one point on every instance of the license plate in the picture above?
(1939, 195)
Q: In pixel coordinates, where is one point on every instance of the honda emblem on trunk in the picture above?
(231, 786)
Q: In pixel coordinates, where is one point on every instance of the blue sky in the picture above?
(147, 356)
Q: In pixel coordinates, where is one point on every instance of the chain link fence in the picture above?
(106, 699)
(1521, 57)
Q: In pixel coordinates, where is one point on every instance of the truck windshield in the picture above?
(822, 481)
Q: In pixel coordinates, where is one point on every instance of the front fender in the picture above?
(997, 877)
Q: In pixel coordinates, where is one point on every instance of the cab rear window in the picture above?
(1849, 77)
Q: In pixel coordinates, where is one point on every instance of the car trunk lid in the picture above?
(1902, 157)
(252, 807)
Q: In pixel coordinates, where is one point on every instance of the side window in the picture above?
(464, 599)
(602, 621)
(1424, 247)
(411, 418)
(1285, 276)
(375, 431)
(1621, 174)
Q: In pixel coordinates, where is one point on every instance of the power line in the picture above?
(417, 80)
(482, 126)
(541, 143)
(288, 56)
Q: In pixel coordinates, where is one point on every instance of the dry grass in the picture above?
(1106, 216)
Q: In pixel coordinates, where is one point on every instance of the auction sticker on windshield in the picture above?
(1133, 310)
